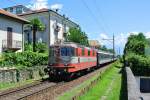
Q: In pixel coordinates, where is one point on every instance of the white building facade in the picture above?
(11, 31)
(56, 26)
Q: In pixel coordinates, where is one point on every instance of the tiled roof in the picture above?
(8, 14)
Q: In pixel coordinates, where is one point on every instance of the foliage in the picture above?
(134, 53)
(28, 46)
(26, 58)
(140, 65)
(136, 44)
(39, 47)
(76, 35)
(104, 48)
(36, 25)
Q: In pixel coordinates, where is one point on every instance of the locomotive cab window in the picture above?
(67, 51)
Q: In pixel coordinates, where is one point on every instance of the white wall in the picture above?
(44, 17)
(16, 26)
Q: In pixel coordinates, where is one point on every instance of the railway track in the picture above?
(45, 90)
(22, 92)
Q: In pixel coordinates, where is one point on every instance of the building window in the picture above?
(18, 10)
(11, 9)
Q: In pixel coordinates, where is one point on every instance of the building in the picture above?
(56, 26)
(11, 31)
(94, 43)
(18, 9)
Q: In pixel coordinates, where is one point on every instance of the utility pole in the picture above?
(113, 39)
(113, 47)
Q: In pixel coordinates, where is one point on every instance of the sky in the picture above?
(100, 19)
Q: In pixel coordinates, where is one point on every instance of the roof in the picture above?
(8, 14)
(44, 10)
(94, 43)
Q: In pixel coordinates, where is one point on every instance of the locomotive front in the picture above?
(60, 58)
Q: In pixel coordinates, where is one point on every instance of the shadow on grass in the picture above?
(123, 91)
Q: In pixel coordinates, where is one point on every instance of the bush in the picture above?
(140, 65)
(26, 58)
(39, 47)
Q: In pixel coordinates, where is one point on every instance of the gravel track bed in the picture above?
(46, 90)
(53, 92)
(16, 94)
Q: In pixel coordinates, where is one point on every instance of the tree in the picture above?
(77, 36)
(136, 44)
(36, 25)
(103, 48)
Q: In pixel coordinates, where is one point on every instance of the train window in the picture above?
(72, 52)
(88, 52)
(83, 52)
(63, 51)
(67, 51)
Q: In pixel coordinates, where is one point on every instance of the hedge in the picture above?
(27, 59)
(140, 65)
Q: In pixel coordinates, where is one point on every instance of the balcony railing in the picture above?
(14, 45)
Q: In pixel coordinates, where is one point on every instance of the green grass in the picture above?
(69, 94)
(99, 90)
(118, 87)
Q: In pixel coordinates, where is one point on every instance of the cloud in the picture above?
(38, 4)
(147, 34)
(103, 36)
(56, 6)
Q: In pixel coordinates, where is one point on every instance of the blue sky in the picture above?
(102, 18)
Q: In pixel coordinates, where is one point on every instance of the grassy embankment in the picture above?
(110, 87)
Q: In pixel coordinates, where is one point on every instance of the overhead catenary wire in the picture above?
(93, 16)
(100, 14)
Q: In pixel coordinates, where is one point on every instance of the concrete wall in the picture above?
(16, 27)
(14, 75)
(132, 86)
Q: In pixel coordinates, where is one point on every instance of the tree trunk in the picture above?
(34, 40)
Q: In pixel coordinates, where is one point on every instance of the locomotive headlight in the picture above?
(66, 64)
(51, 64)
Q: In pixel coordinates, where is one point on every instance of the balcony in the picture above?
(11, 45)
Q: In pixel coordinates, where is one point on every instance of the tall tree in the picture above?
(77, 36)
(136, 44)
(36, 25)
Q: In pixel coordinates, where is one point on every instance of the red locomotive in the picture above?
(69, 58)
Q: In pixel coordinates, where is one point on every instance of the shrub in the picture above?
(140, 65)
(39, 47)
(26, 58)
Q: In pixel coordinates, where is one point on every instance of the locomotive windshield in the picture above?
(67, 51)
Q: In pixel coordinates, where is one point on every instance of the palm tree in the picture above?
(36, 25)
